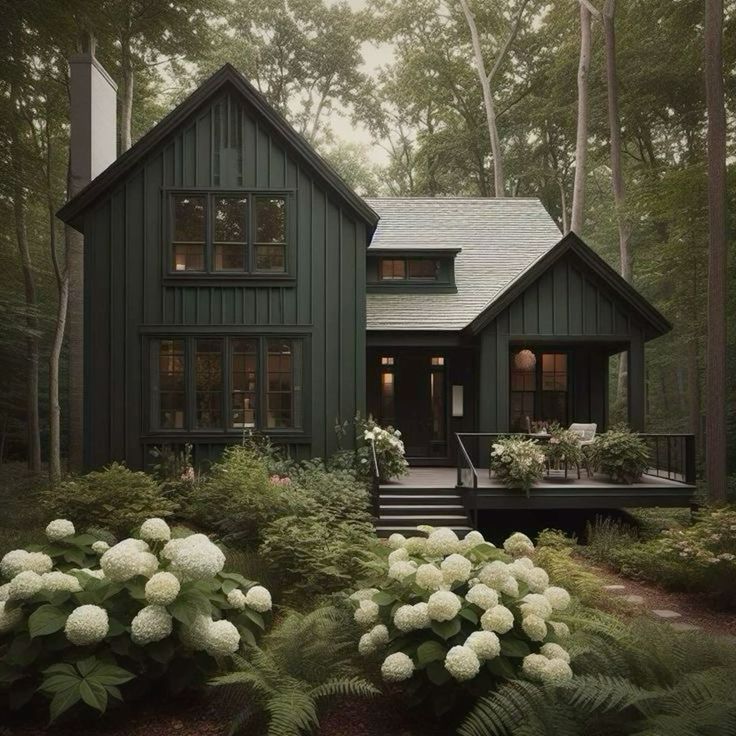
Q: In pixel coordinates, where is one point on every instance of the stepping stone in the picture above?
(637, 600)
(614, 587)
(663, 613)
(682, 626)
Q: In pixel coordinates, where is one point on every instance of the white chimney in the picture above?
(93, 119)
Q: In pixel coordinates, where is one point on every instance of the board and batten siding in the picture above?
(567, 306)
(129, 298)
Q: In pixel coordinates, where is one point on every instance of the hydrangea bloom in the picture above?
(498, 619)
(18, 560)
(456, 568)
(518, 545)
(554, 651)
(366, 645)
(4, 591)
(474, 537)
(462, 663)
(236, 598)
(24, 585)
(194, 557)
(366, 613)
(562, 630)
(100, 547)
(402, 569)
(534, 666)
(87, 624)
(537, 580)
(127, 559)
(396, 540)
(162, 588)
(404, 618)
(485, 644)
(379, 635)
(152, 623)
(9, 618)
(559, 598)
(494, 574)
(534, 627)
(155, 530)
(56, 581)
(429, 577)
(258, 598)
(397, 555)
(363, 595)
(536, 604)
(556, 672)
(509, 587)
(415, 545)
(397, 667)
(222, 639)
(441, 542)
(60, 529)
(443, 606)
(482, 596)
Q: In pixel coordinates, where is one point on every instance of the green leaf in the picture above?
(437, 673)
(58, 683)
(256, 618)
(94, 694)
(46, 620)
(110, 674)
(383, 598)
(228, 586)
(514, 648)
(74, 556)
(430, 651)
(62, 701)
(446, 629)
(469, 614)
(501, 667)
(86, 666)
(61, 668)
(23, 650)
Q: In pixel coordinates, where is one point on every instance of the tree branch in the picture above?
(509, 40)
(592, 8)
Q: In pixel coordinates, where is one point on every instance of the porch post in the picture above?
(636, 380)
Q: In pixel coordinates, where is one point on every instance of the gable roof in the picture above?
(655, 322)
(498, 239)
(227, 74)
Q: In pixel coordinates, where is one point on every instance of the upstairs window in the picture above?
(408, 269)
(228, 234)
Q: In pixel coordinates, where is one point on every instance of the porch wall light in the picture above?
(525, 360)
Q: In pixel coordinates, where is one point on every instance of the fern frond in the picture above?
(292, 712)
(592, 693)
(345, 686)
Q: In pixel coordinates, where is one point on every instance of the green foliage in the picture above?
(388, 446)
(518, 463)
(606, 536)
(115, 498)
(621, 454)
(557, 559)
(305, 660)
(563, 446)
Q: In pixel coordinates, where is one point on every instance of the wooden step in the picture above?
(429, 509)
(411, 531)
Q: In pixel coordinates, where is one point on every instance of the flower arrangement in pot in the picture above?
(388, 445)
(563, 447)
(450, 614)
(518, 463)
(621, 454)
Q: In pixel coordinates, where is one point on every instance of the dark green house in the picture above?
(233, 282)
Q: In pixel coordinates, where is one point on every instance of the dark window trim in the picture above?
(151, 340)
(407, 279)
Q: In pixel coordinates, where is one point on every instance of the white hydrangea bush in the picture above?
(452, 610)
(143, 604)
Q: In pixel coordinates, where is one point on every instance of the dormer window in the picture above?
(228, 234)
(409, 269)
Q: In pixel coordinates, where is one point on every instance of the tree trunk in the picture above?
(581, 145)
(715, 453)
(126, 95)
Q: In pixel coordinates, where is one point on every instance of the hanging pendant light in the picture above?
(525, 360)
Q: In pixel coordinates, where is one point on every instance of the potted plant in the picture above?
(563, 448)
(388, 445)
(621, 454)
(518, 463)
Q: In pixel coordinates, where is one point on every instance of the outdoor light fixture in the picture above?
(525, 360)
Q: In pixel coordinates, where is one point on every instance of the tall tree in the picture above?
(715, 453)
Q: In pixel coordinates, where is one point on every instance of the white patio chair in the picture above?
(586, 432)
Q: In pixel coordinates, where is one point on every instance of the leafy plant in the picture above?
(305, 660)
(605, 536)
(518, 463)
(115, 498)
(388, 445)
(563, 447)
(621, 454)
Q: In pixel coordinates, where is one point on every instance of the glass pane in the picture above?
(437, 389)
(171, 382)
(393, 269)
(270, 220)
(548, 362)
(188, 257)
(387, 397)
(229, 257)
(280, 385)
(189, 219)
(230, 214)
(208, 380)
(560, 362)
(271, 258)
(244, 367)
(422, 268)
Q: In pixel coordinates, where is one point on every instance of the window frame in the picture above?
(209, 274)
(407, 278)
(300, 382)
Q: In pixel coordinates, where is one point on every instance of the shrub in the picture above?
(621, 454)
(448, 611)
(115, 498)
(154, 609)
(605, 537)
(563, 447)
(388, 445)
(518, 463)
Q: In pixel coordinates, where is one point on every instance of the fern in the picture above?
(593, 693)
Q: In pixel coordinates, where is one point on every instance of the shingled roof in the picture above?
(498, 240)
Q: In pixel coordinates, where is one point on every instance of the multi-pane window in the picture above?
(421, 268)
(393, 269)
(230, 383)
(554, 386)
(229, 233)
(539, 388)
(411, 269)
(523, 392)
(388, 389)
(437, 398)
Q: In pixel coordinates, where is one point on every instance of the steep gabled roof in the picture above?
(227, 74)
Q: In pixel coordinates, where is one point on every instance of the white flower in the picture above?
(456, 568)
(194, 557)
(24, 585)
(379, 635)
(519, 565)
(155, 530)
(100, 547)
(150, 624)
(534, 627)
(366, 645)
(397, 555)
(236, 598)
(442, 542)
(534, 666)
(462, 663)
(258, 598)
(559, 598)
(222, 639)
(473, 538)
(87, 624)
(536, 604)
(416, 545)
(443, 606)
(4, 591)
(482, 596)
(510, 587)
(537, 580)
(555, 651)
(397, 667)
(364, 595)
(18, 560)
(396, 540)
(429, 577)
(518, 545)
(556, 672)
(494, 574)
(367, 613)
(404, 618)
(127, 559)
(60, 529)
(402, 569)
(421, 615)
(425, 528)
(499, 619)
(484, 643)
(9, 618)
(162, 589)
(562, 630)
(56, 581)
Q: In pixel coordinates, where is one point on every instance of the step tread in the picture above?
(407, 517)
(396, 506)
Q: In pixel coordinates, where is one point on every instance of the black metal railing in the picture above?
(672, 456)
(467, 475)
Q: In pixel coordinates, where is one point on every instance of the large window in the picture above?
(554, 387)
(408, 269)
(539, 388)
(227, 383)
(228, 234)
